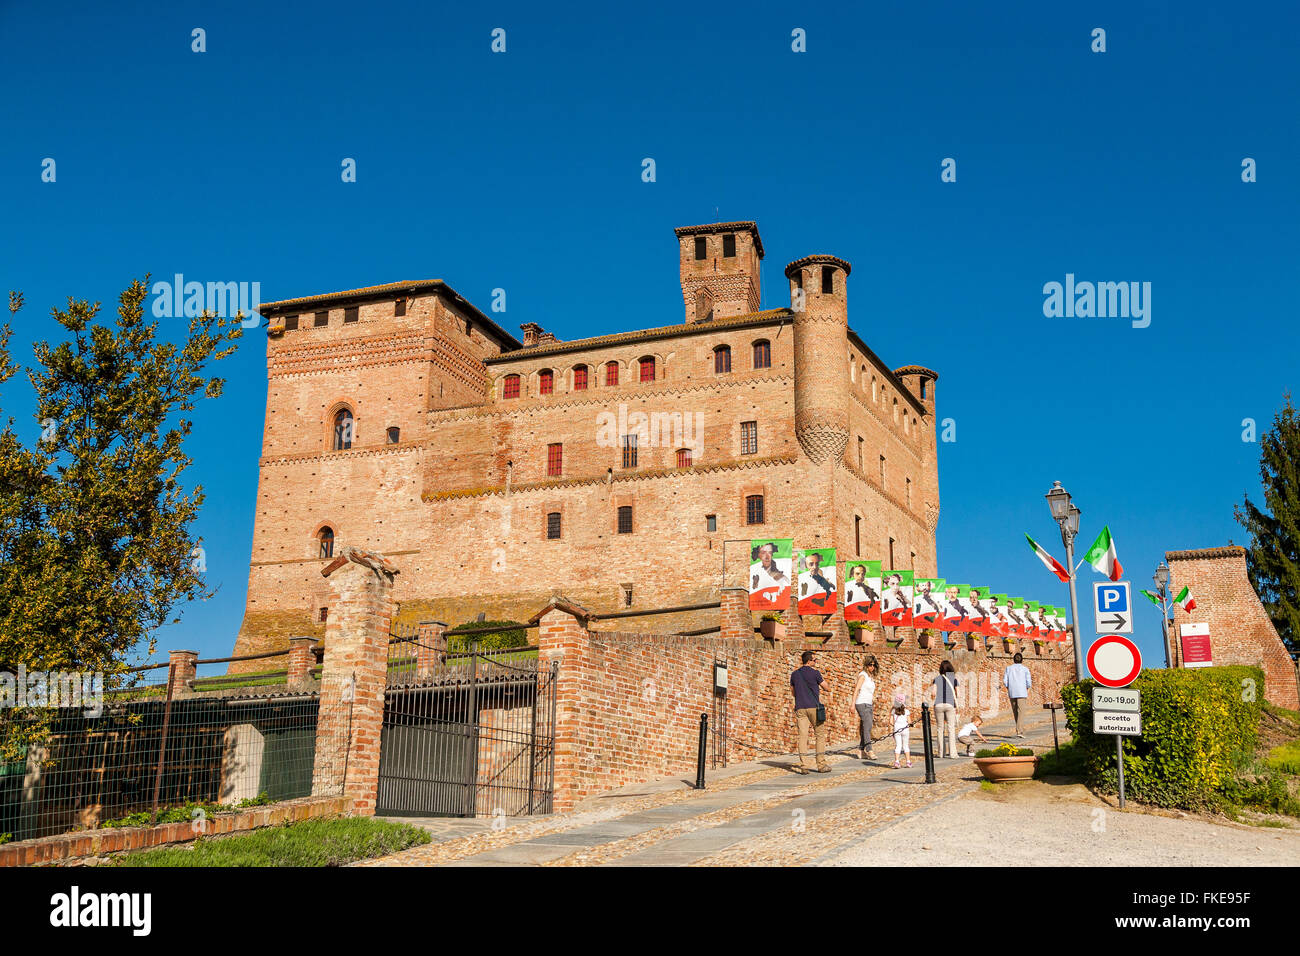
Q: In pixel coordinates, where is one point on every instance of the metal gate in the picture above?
(469, 735)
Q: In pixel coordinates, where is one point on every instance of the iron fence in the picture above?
(145, 755)
(466, 733)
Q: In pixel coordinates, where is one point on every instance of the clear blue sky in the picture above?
(522, 170)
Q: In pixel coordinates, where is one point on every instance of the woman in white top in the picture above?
(864, 692)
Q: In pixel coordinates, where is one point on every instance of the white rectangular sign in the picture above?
(1114, 603)
(1124, 699)
(1116, 722)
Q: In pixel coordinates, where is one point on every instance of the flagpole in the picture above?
(1074, 605)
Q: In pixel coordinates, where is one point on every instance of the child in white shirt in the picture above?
(971, 729)
(902, 734)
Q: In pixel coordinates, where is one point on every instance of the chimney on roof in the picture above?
(532, 332)
(719, 269)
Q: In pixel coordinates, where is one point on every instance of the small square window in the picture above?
(684, 458)
(399, 307)
(729, 246)
(553, 526)
(324, 613)
(710, 522)
(352, 314)
(555, 460)
(394, 435)
(321, 318)
(626, 594)
(629, 451)
(290, 323)
(754, 512)
(625, 519)
(749, 438)
(701, 248)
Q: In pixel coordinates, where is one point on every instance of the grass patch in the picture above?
(988, 786)
(1285, 758)
(308, 843)
(1281, 712)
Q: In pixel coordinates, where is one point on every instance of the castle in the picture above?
(627, 471)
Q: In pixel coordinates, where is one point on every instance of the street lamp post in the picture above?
(1163, 579)
(1067, 516)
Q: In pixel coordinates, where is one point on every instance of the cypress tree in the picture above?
(1273, 557)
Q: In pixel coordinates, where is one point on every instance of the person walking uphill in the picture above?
(806, 684)
(945, 707)
(1017, 680)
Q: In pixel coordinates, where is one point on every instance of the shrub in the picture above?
(508, 634)
(1285, 758)
(1070, 762)
(1198, 727)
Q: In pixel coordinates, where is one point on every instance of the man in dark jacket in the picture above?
(806, 684)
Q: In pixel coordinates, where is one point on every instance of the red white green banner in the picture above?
(862, 590)
(769, 574)
(927, 602)
(896, 604)
(818, 593)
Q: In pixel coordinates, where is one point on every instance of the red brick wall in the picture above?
(629, 704)
(1240, 629)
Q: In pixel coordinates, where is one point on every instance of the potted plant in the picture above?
(1038, 646)
(972, 642)
(771, 626)
(859, 633)
(1010, 645)
(925, 639)
(1006, 763)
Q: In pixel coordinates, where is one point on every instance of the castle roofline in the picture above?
(819, 257)
(917, 370)
(387, 291)
(890, 377)
(709, 228)
(1225, 551)
(766, 317)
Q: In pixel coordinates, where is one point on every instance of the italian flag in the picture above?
(1185, 599)
(1153, 597)
(1102, 556)
(1049, 562)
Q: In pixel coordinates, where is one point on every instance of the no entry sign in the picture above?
(1114, 661)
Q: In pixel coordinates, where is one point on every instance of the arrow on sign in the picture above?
(1116, 622)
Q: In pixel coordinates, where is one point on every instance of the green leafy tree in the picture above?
(96, 549)
(1273, 558)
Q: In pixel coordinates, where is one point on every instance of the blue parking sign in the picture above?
(1113, 602)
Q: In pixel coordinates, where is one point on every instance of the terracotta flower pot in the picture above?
(1009, 645)
(924, 641)
(1039, 647)
(772, 630)
(1007, 769)
(970, 642)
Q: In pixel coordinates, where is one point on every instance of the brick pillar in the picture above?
(794, 629)
(562, 637)
(840, 630)
(736, 620)
(182, 671)
(354, 677)
(430, 648)
(301, 660)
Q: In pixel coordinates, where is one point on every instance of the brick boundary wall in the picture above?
(71, 846)
(628, 705)
(1240, 629)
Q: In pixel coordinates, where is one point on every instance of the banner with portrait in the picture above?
(862, 590)
(953, 611)
(1061, 624)
(980, 619)
(1001, 616)
(1034, 615)
(896, 599)
(927, 602)
(818, 593)
(771, 565)
(1019, 623)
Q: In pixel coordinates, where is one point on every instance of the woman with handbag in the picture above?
(864, 692)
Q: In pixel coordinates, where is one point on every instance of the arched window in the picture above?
(874, 395)
(580, 378)
(722, 359)
(648, 369)
(546, 381)
(762, 354)
(394, 434)
(895, 411)
(684, 458)
(342, 430)
(924, 382)
(611, 373)
(511, 389)
(326, 538)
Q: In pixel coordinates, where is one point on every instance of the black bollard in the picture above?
(704, 737)
(927, 738)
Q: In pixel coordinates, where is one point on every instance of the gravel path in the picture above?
(1037, 824)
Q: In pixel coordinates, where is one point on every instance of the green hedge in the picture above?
(510, 634)
(1198, 727)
